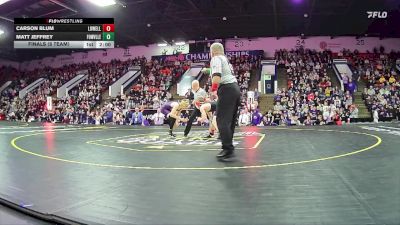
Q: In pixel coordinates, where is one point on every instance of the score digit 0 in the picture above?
(108, 36)
(108, 27)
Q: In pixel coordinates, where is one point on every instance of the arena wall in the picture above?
(268, 44)
(103, 56)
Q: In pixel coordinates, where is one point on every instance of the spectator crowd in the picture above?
(309, 99)
(81, 100)
(382, 84)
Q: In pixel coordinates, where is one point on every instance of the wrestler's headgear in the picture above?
(184, 103)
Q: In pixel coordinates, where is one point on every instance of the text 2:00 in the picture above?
(105, 44)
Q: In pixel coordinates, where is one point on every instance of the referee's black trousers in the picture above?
(195, 113)
(227, 107)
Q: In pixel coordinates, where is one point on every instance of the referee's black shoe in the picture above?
(225, 154)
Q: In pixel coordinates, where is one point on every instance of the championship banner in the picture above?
(204, 56)
(49, 103)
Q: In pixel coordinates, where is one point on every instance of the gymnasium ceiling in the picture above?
(141, 22)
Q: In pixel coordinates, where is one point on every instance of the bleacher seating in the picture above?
(310, 97)
(378, 71)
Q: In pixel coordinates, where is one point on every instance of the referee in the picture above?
(223, 80)
(199, 95)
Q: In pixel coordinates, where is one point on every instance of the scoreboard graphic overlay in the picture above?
(75, 33)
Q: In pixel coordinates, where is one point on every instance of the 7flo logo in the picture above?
(377, 14)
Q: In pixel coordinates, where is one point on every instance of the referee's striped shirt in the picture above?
(200, 93)
(220, 64)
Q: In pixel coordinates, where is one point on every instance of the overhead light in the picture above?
(162, 44)
(3, 1)
(148, 25)
(297, 1)
(102, 3)
(180, 43)
(224, 18)
(1, 32)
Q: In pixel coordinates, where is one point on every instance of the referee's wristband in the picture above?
(214, 87)
(197, 104)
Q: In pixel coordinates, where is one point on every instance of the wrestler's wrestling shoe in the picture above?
(210, 135)
(171, 134)
(225, 155)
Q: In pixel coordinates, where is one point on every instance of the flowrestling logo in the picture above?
(196, 139)
(162, 141)
(377, 14)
